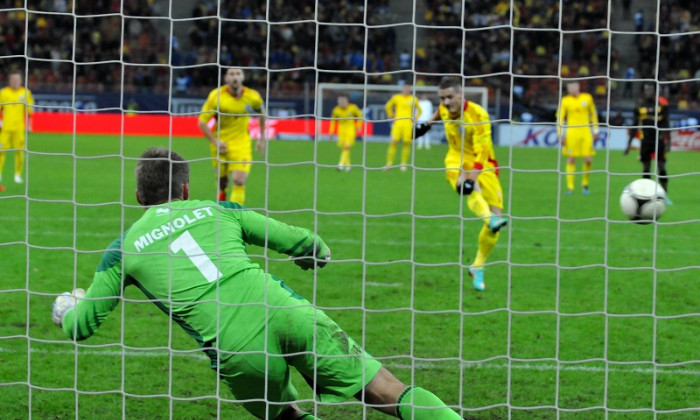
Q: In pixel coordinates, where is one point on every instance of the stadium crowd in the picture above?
(677, 18)
(291, 51)
(93, 40)
(472, 38)
(486, 45)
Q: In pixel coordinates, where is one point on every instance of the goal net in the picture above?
(372, 100)
(585, 315)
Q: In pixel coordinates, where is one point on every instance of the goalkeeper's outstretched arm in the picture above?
(81, 313)
(306, 248)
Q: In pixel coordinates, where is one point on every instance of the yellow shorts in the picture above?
(578, 143)
(236, 159)
(488, 180)
(402, 130)
(346, 138)
(12, 139)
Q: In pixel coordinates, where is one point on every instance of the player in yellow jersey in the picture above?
(232, 105)
(471, 167)
(577, 127)
(403, 108)
(15, 104)
(346, 118)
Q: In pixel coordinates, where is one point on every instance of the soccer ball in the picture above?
(643, 201)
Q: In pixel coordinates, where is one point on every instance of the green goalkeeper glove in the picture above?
(319, 256)
(64, 303)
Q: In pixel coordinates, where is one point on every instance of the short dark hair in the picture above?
(160, 175)
(450, 82)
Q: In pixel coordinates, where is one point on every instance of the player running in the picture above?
(403, 107)
(346, 118)
(471, 167)
(232, 105)
(189, 257)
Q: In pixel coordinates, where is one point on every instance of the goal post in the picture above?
(371, 98)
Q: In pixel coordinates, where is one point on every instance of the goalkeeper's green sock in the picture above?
(420, 404)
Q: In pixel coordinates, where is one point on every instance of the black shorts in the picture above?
(649, 149)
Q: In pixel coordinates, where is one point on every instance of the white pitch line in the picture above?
(374, 283)
(421, 365)
(331, 240)
(552, 367)
(345, 240)
(80, 234)
(344, 220)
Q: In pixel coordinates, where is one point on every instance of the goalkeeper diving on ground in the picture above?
(189, 257)
(470, 164)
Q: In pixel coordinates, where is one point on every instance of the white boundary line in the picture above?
(196, 354)
(331, 240)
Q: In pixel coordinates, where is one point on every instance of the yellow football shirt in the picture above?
(15, 104)
(577, 112)
(403, 107)
(348, 119)
(470, 136)
(232, 114)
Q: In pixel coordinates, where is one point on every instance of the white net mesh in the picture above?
(585, 315)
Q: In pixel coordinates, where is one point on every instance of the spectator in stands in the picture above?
(486, 48)
(639, 21)
(626, 9)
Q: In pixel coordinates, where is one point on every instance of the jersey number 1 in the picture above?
(187, 244)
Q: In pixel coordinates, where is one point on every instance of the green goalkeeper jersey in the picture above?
(189, 258)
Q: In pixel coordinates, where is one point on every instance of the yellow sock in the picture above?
(570, 168)
(19, 162)
(238, 194)
(478, 205)
(586, 173)
(2, 161)
(487, 240)
(405, 153)
(345, 157)
(390, 154)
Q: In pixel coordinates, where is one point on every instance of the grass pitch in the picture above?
(585, 315)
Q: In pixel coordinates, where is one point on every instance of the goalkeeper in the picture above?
(471, 165)
(189, 257)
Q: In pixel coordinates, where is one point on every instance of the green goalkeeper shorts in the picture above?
(332, 363)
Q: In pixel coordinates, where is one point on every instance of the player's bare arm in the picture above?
(262, 141)
(204, 127)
